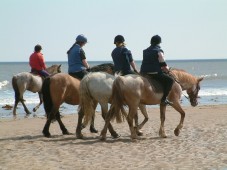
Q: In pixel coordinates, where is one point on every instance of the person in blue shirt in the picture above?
(77, 63)
(154, 65)
(122, 57)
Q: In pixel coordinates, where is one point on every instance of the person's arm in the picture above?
(85, 63)
(133, 64)
(42, 61)
(130, 59)
(162, 62)
(83, 59)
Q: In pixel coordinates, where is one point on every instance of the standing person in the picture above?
(37, 63)
(77, 63)
(154, 65)
(122, 57)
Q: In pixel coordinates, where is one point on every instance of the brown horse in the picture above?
(132, 90)
(63, 88)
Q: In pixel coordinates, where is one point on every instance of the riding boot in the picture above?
(165, 101)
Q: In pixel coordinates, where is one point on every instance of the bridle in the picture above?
(191, 95)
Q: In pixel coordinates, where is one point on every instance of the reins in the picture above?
(176, 80)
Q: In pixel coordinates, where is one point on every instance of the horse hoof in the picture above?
(93, 130)
(116, 136)
(162, 135)
(139, 133)
(134, 140)
(177, 132)
(79, 136)
(103, 138)
(66, 133)
(47, 135)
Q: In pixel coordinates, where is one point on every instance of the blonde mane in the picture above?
(183, 77)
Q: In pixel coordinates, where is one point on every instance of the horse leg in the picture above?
(139, 126)
(162, 132)
(46, 132)
(178, 108)
(40, 102)
(92, 126)
(25, 107)
(104, 108)
(15, 107)
(104, 130)
(62, 126)
(79, 127)
(130, 117)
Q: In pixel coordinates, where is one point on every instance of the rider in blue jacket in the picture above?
(154, 65)
(122, 57)
(77, 63)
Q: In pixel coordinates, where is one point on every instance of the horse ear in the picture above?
(200, 79)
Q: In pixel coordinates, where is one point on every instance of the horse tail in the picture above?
(86, 101)
(117, 110)
(47, 101)
(15, 88)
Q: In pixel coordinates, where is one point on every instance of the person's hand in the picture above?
(136, 71)
(88, 69)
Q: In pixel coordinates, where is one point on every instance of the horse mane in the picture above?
(180, 74)
(106, 67)
(177, 69)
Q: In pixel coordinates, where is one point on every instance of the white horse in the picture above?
(97, 88)
(31, 82)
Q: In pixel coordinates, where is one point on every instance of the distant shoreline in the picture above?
(169, 60)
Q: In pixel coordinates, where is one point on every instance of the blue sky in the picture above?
(195, 29)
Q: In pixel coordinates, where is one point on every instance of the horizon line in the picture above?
(112, 61)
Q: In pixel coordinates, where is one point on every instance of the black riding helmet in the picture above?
(119, 39)
(156, 39)
(38, 48)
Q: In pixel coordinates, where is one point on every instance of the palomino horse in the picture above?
(63, 88)
(97, 88)
(132, 90)
(29, 81)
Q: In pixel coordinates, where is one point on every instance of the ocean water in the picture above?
(213, 87)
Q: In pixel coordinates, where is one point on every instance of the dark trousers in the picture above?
(166, 81)
(79, 75)
(42, 73)
(123, 73)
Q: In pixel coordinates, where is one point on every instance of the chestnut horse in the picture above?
(97, 88)
(31, 82)
(133, 90)
(63, 88)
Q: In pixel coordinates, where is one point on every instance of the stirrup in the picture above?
(166, 102)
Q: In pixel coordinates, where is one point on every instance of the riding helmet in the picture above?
(38, 48)
(81, 38)
(156, 39)
(119, 39)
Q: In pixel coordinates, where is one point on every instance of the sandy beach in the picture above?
(202, 144)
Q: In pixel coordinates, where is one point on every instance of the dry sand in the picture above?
(202, 144)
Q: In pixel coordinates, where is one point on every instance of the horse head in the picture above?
(194, 91)
(54, 69)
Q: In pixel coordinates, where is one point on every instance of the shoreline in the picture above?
(70, 110)
(200, 145)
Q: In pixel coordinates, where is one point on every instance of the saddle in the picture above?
(156, 85)
(36, 73)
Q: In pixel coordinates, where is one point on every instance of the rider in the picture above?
(154, 65)
(37, 63)
(77, 63)
(122, 57)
